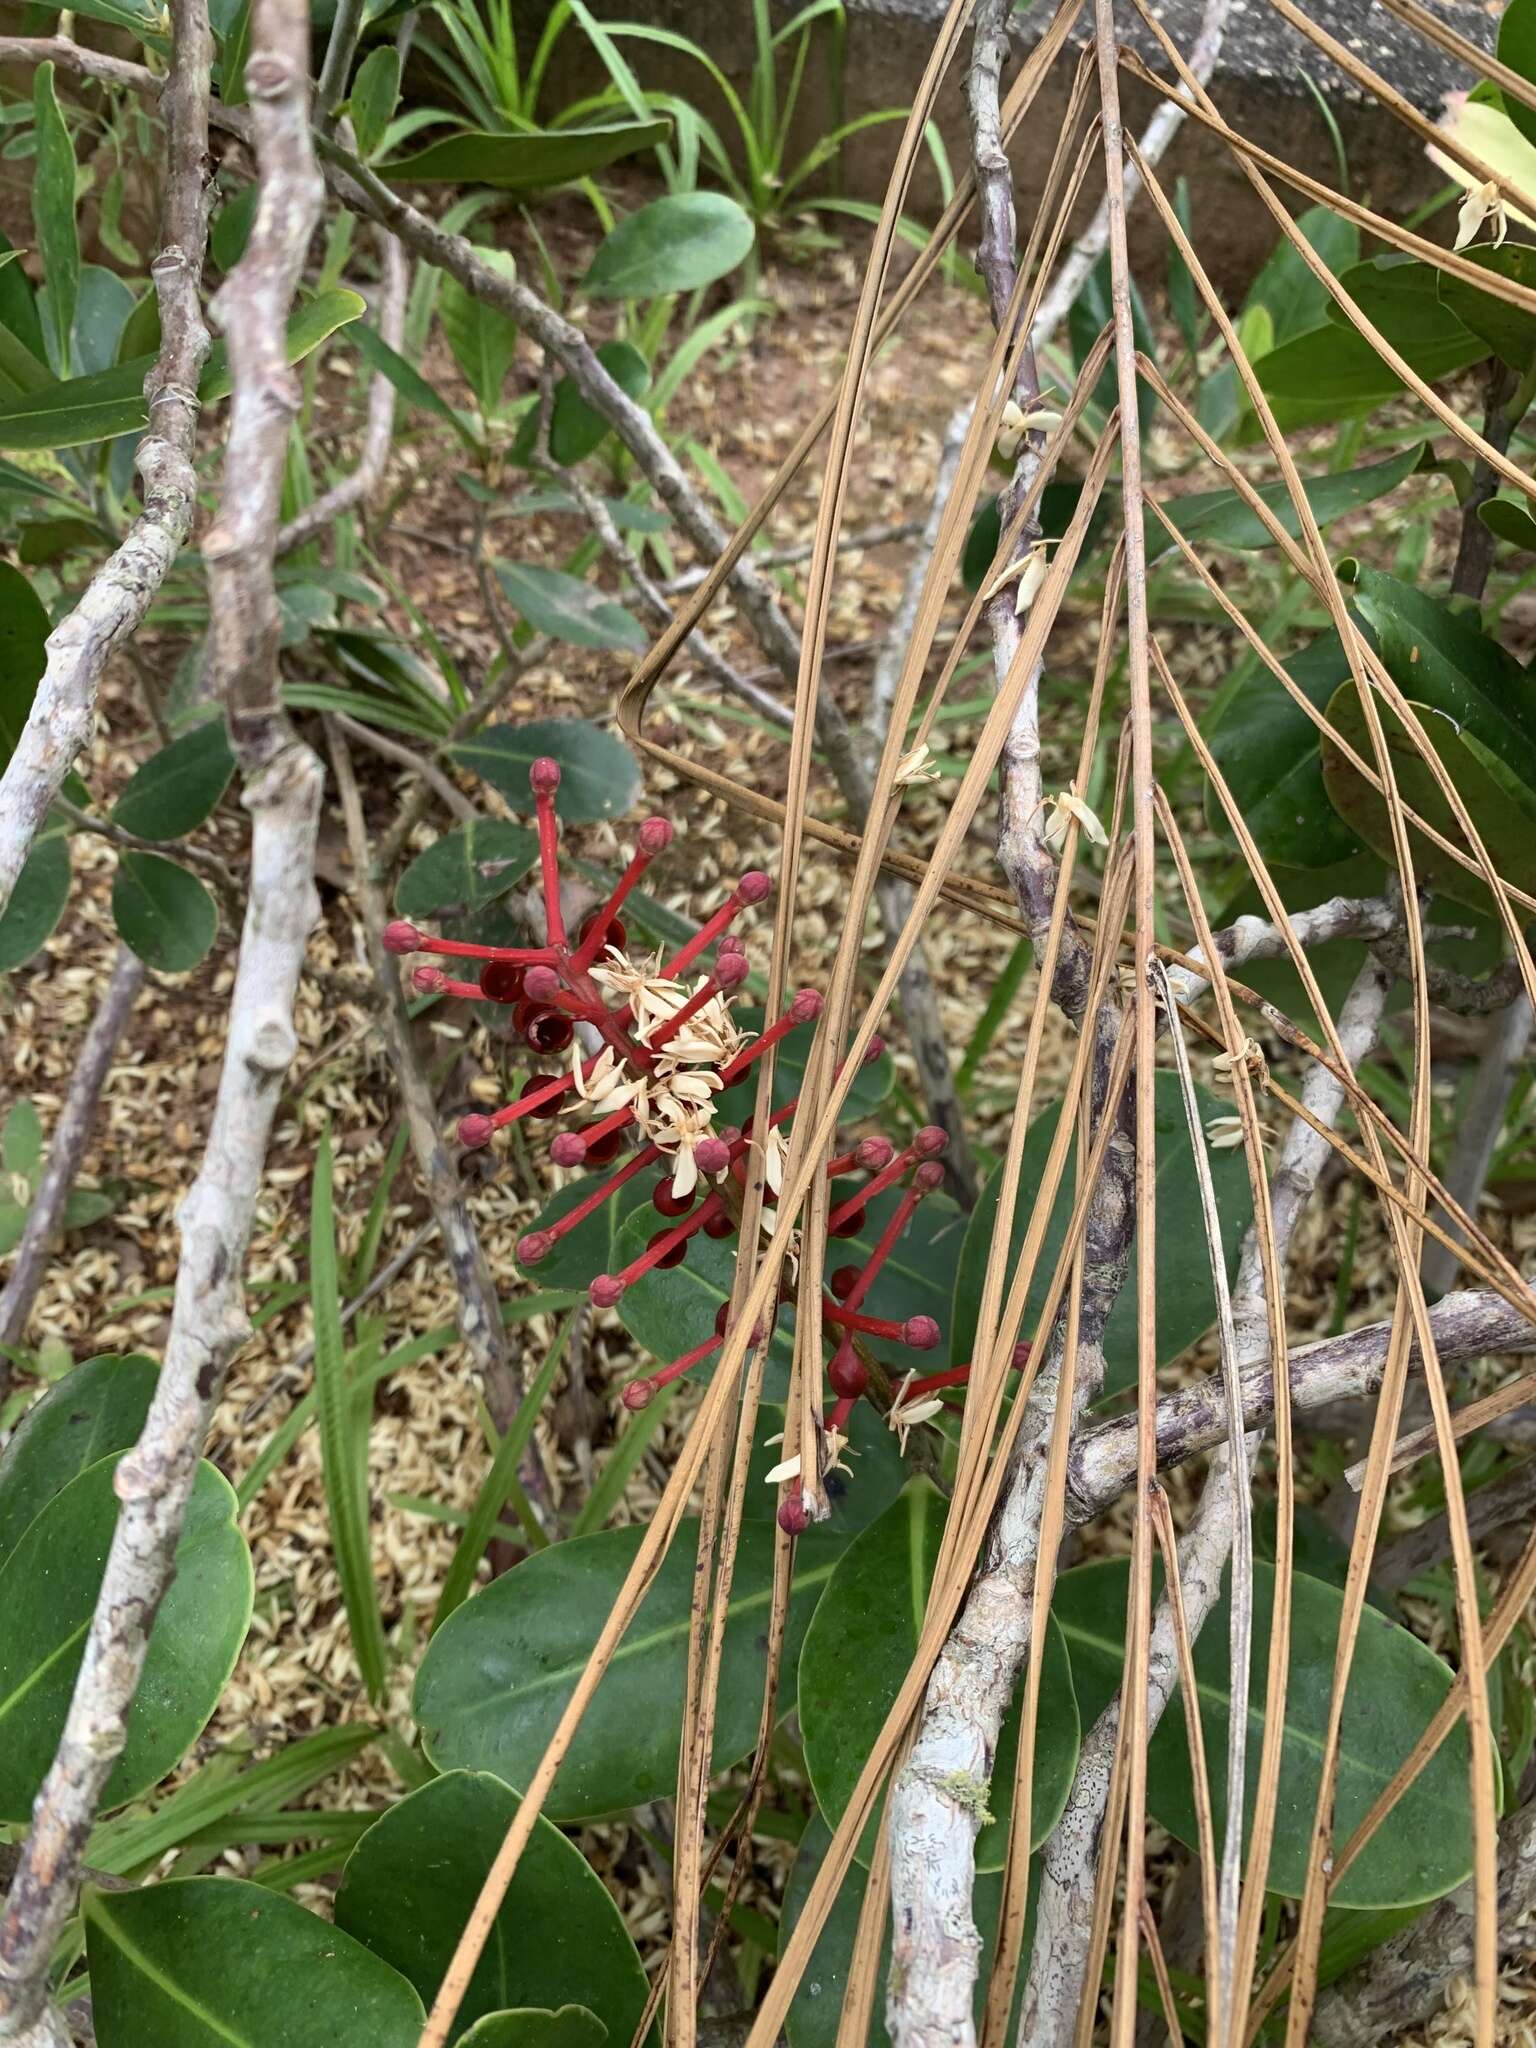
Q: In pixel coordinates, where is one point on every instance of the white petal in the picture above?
(1070, 801)
(686, 1178)
(790, 1469)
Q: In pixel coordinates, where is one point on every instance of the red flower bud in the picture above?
(475, 1130)
(712, 1155)
(733, 942)
(921, 1332)
(605, 1290)
(544, 776)
(541, 984)
(929, 1175)
(654, 836)
(533, 1246)
(428, 979)
(929, 1141)
(753, 886)
(848, 1374)
(873, 1050)
(401, 936)
(569, 1148)
(731, 970)
(808, 1003)
(794, 1515)
(637, 1394)
(874, 1153)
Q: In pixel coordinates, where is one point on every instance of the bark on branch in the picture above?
(282, 786)
(115, 601)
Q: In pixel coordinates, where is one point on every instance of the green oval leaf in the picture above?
(599, 776)
(1422, 1850)
(1223, 519)
(675, 244)
(466, 869)
(1267, 749)
(1500, 803)
(1517, 49)
(93, 1411)
(568, 609)
(817, 2006)
(483, 339)
(178, 788)
(374, 92)
(1443, 657)
(37, 901)
(48, 1588)
(412, 1882)
(111, 402)
(858, 1649)
(1186, 1305)
(162, 911)
(524, 163)
(213, 1962)
(572, 2026)
(497, 1676)
(1509, 332)
(53, 216)
(23, 653)
(575, 429)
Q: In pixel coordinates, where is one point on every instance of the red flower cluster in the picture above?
(664, 1051)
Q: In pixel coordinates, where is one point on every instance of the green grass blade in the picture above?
(989, 1023)
(500, 1481)
(366, 1256)
(345, 1413)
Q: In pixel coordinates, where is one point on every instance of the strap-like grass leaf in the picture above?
(523, 163)
(412, 1881)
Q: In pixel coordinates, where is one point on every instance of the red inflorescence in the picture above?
(647, 1055)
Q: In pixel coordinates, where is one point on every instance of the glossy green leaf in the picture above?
(53, 217)
(1423, 1849)
(588, 1246)
(99, 407)
(676, 244)
(37, 901)
(483, 339)
(1502, 805)
(575, 430)
(1221, 519)
(101, 313)
(1286, 287)
(23, 653)
(48, 1588)
(145, 22)
(572, 2026)
(497, 1676)
(97, 1409)
(234, 48)
(375, 90)
(412, 1882)
(858, 1648)
(178, 788)
(1331, 371)
(19, 320)
(817, 2006)
(1267, 750)
(466, 869)
(1440, 656)
(1510, 332)
(1186, 1305)
(523, 163)
(163, 911)
(232, 227)
(1509, 521)
(214, 1962)
(21, 1141)
(1517, 49)
(407, 379)
(599, 777)
(568, 609)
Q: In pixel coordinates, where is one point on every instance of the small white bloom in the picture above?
(1224, 1133)
(1016, 422)
(1029, 573)
(916, 766)
(1066, 807)
(790, 1469)
(1250, 1054)
(836, 1450)
(1482, 203)
(905, 1415)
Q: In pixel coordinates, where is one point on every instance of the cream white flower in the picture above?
(1483, 203)
(1066, 807)
(789, 1469)
(916, 766)
(775, 1152)
(1250, 1054)
(1224, 1133)
(905, 1415)
(835, 1451)
(1016, 422)
(1028, 572)
(609, 1086)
